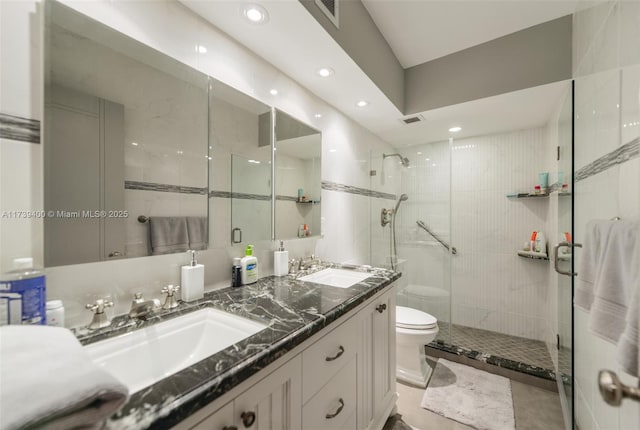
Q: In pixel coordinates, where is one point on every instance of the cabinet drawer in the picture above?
(327, 356)
(334, 406)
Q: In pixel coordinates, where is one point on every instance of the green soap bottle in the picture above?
(249, 265)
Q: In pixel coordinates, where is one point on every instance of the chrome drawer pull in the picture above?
(337, 355)
(329, 416)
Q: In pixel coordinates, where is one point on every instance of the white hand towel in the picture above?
(48, 381)
(616, 277)
(596, 235)
(628, 350)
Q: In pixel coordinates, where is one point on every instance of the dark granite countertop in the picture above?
(294, 310)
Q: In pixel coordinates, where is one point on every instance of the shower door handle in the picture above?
(613, 390)
(556, 257)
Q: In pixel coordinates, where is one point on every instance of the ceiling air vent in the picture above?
(330, 9)
(412, 119)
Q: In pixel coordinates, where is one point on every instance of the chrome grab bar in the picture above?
(556, 260)
(423, 226)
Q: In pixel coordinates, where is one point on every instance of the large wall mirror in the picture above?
(298, 152)
(125, 143)
(240, 178)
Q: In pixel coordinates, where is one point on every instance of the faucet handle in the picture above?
(100, 319)
(170, 302)
(170, 290)
(99, 305)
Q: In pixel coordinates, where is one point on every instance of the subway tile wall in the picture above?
(607, 75)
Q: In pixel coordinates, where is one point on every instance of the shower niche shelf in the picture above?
(533, 196)
(533, 255)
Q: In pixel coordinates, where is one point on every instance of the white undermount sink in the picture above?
(143, 357)
(340, 278)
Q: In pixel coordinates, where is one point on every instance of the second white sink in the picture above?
(340, 278)
(143, 357)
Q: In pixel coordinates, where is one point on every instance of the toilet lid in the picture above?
(414, 319)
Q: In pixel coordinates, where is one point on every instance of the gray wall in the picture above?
(534, 56)
(360, 38)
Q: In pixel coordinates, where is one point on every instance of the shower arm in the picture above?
(423, 226)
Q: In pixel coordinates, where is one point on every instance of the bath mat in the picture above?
(470, 396)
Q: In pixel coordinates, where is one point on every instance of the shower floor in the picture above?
(520, 349)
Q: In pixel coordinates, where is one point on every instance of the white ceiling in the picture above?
(294, 42)
(518, 110)
(420, 31)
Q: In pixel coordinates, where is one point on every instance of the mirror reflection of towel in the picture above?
(168, 235)
(198, 233)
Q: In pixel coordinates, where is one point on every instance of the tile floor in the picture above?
(523, 350)
(534, 409)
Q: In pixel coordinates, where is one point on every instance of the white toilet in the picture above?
(414, 330)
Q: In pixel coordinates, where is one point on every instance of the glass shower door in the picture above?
(562, 206)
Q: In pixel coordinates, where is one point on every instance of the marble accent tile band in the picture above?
(166, 188)
(626, 152)
(18, 128)
(334, 186)
(245, 196)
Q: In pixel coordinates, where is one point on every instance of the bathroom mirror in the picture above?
(298, 152)
(125, 142)
(240, 175)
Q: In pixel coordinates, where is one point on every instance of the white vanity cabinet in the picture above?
(377, 388)
(274, 403)
(340, 380)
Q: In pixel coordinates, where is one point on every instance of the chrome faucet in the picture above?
(141, 308)
(100, 319)
(309, 262)
(170, 301)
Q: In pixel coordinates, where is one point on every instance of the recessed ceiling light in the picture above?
(273, 92)
(362, 103)
(419, 153)
(333, 150)
(318, 115)
(201, 49)
(255, 13)
(455, 129)
(135, 143)
(325, 72)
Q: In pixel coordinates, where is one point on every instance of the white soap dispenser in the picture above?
(281, 261)
(192, 280)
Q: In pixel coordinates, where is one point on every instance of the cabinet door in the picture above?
(376, 387)
(222, 419)
(274, 403)
(384, 351)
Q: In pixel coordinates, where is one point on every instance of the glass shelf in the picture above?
(534, 196)
(533, 255)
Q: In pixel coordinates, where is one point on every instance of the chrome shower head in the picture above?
(403, 160)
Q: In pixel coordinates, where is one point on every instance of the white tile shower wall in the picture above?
(172, 29)
(492, 288)
(606, 66)
(20, 162)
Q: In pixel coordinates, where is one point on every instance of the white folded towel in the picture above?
(597, 233)
(617, 276)
(48, 381)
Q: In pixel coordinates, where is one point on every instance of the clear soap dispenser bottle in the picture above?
(281, 261)
(192, 280)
